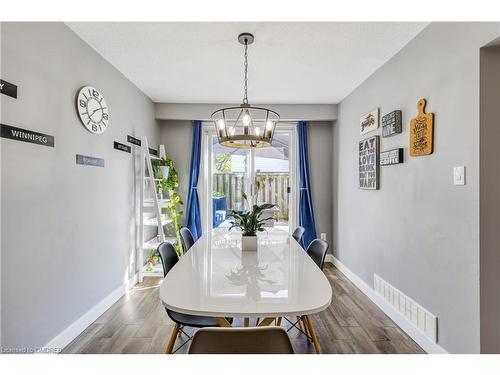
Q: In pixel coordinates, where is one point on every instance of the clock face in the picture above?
(92, 110)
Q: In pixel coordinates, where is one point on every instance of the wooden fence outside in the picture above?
(271, 188)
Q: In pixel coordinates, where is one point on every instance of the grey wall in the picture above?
(320, 165)
(68, 231)
(419, 232)
(490, 204)
(176, 135)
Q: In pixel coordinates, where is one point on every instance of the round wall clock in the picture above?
(92, 109)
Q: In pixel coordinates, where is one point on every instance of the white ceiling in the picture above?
(289, 62)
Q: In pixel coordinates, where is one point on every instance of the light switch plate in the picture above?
(459, 175)
(323, 236)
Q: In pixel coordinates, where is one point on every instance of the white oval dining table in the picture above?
(216, 278)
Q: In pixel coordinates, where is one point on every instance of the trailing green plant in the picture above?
(249, 221)
(174, 204)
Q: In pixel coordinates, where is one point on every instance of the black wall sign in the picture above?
(89, 160)
(391, 157)
(133, 140)
(25, 135)
(121, 147)
(152, 151)
(8, 88)
(391, 124)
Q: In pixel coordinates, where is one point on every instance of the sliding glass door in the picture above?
(265, 175)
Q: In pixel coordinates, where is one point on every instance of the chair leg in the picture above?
(278, 321)
(301, 324)
(172, 339)
(246, 322)
(308, 323)
(257, 322)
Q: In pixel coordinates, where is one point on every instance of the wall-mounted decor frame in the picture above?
(422, 131)
(152, 151)
(391, 157)
(369, 150)
(133, 140)
(89, 160)
(121, 147)
(25, 135)
(369, 122)
(391, 124)
(8, 89)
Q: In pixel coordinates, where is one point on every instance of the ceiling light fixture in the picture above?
(245, 126)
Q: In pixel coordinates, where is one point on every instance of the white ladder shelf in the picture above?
(151, 205)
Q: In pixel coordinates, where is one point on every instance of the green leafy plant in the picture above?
(218, 194)
(249, 221)
(174, 204)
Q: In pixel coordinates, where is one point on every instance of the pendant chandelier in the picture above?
(245, 126)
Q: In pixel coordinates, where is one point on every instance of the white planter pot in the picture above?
(249, 243)
(164, 171)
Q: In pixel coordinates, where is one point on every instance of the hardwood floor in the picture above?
(138, 323)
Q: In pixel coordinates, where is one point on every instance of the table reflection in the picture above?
(256, 275)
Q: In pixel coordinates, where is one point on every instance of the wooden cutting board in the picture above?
(421, 131)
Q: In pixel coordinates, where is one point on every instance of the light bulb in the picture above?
(220, 124)
(246, 119)
(257, 131)
(269, 125)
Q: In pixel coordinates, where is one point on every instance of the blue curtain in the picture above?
(193, 214)
(306, 211)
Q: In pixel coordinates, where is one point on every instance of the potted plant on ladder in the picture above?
(250, 223)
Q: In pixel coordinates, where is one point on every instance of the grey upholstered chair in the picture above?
(169, 258)
(298, 233)
(254, 340)
(187, 239)
(317, 251)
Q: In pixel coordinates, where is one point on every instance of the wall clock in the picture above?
(92, 109)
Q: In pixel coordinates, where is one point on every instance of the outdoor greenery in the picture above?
(249, 221)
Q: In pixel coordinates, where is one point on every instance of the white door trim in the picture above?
(206, 173)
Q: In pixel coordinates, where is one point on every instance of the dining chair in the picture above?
(254, 340)
(169, 258)
(317, 251)
(187, 239)
(298, 233)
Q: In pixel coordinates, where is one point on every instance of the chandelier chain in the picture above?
(245, 98)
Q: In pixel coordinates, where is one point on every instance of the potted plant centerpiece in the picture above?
(250, 223)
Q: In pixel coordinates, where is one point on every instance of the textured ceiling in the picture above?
(288, 63)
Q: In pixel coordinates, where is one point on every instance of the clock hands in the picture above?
(95, 110)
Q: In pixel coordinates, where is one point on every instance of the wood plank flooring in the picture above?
(138, 323)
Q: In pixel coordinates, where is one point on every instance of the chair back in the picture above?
(298, 233)
(168, 256)
(187, 239)
(254, 340)
(317, 251)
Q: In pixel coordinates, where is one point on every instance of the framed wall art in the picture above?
(391, 157)
(369, 122)
(369, 153)
(391, 124)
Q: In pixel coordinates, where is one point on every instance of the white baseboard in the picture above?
(419, 337)
(77, 327)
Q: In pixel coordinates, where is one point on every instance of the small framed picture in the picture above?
(369, 122)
